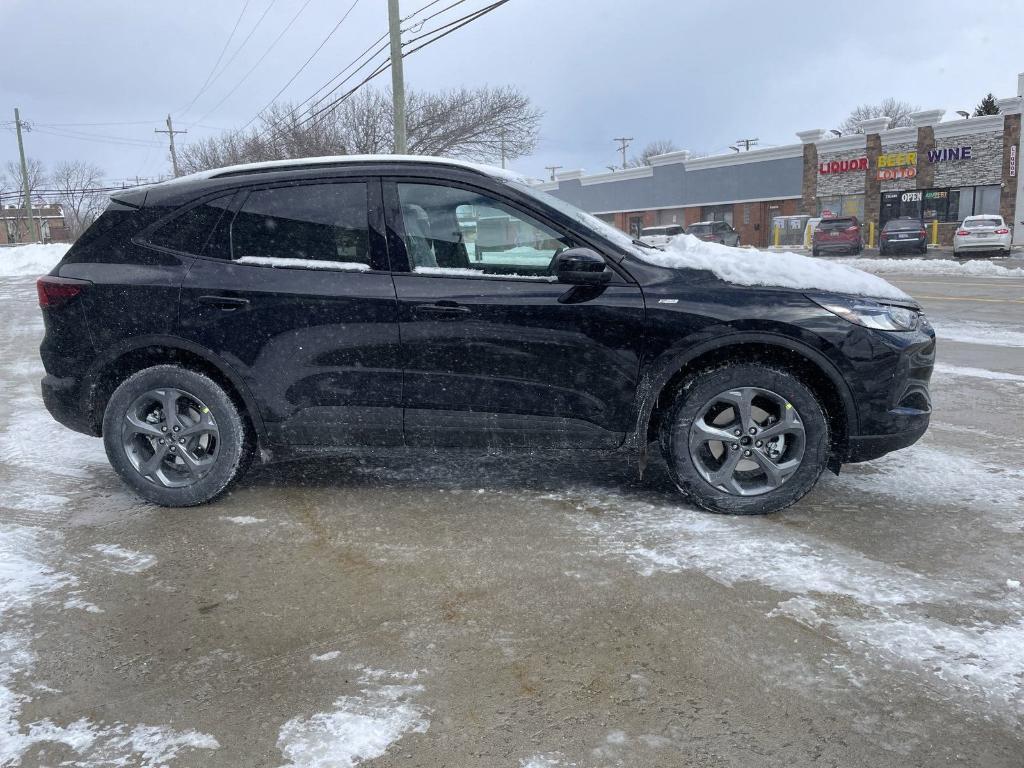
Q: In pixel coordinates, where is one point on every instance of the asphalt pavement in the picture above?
(553, 610)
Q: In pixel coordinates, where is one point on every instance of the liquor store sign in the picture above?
(897, 165)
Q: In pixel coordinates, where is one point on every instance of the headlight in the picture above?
(870, 314)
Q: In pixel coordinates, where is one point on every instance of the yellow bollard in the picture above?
(871, 234)
(775, 236)
(935, 232)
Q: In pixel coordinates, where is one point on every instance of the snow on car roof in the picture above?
(302, 162)
(749, 266)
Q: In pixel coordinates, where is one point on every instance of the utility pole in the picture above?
(33, 235)
(553, 168)
(502, 147)
(747, 143)
(170, 133)
(397, 77)
(624, 142)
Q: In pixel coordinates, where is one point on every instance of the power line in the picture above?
(368, 48)
(258, 62)
(99, 139)
(240, 47)
(223, 50)
(455, 25)
(304, 65)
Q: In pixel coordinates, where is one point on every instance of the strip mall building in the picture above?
(938, 170)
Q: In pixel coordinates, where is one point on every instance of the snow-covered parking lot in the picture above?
(547, 611)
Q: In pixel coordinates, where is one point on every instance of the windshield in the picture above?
(831, 224)
(602, 228)
(700, 229)
(902, 224)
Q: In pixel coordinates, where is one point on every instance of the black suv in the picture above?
(335, 305)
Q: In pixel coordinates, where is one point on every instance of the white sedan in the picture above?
(982, 233)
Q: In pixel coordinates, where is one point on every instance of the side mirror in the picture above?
(581, 266)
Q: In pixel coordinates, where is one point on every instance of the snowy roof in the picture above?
(303, 162)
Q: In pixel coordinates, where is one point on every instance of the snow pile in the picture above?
(360, 728)
(934, 267)
(30, 260)
(749, 266)
(280, 261)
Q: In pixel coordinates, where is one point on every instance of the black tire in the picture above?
(815, 252)
(882, 251)
(704, 388)
(228, 459)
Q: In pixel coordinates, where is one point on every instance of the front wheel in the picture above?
(175, 436)
(745, 439)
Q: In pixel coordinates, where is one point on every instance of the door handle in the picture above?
(227, 303)
(442, 308)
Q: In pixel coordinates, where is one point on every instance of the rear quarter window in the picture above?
(189, 231)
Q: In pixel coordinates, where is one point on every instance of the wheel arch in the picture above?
(121, 361)
(809, 365)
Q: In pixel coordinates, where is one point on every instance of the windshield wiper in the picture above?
(642, 244)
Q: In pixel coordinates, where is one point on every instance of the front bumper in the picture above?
(867, 447)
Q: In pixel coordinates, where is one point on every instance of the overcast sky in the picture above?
(702, 75)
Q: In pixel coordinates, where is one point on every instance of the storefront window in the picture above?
(935, 205)
(986, 200)
(841, 205)
(717, 213)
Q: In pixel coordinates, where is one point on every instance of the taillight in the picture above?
(923, 232)
(1003, 231)
(962, 232)
(54, 291)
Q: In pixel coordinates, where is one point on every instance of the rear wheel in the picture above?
(175, 436)
(745, 439)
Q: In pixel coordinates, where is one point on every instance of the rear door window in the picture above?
(313, 226)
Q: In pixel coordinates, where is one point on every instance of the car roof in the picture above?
(342, 160)
(169, 189)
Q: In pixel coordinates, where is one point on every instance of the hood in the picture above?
(780, 269)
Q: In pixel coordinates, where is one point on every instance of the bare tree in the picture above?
(77, 184)
(657, 147)
(36, 180)
(898, 112)
(475, 124)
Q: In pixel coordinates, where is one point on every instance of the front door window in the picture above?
(461, 232)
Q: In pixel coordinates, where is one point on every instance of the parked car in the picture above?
(659, 236)
(837, 235)
(330, 306)
(979, 234)
(901, 235)
(715, 232)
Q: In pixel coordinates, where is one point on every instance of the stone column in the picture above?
(1011, 110)
(872, 186)
(925, 121)
(809, 186)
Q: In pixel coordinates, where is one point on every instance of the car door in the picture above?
(496, 353)
(294, 293)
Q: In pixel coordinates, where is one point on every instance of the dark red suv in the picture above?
(839, 235)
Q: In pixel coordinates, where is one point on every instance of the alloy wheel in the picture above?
(747, 441)
(170, 437)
